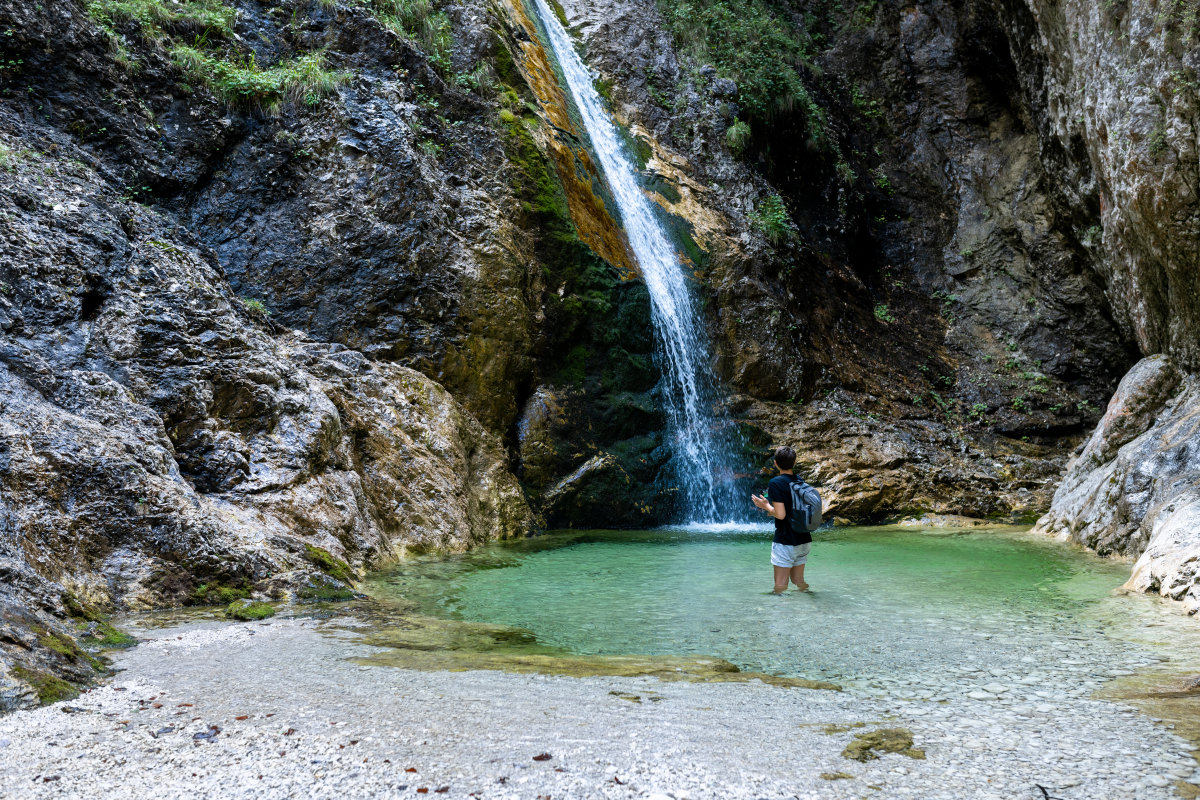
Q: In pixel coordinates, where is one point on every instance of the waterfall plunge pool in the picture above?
(912, 614)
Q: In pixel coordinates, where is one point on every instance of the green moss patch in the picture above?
(79, 609)
(215, 594)
(247, 610)
(106, 636)
(866, 746)
(506, 70)
(325, 561)
(66, 647)
(49, 688)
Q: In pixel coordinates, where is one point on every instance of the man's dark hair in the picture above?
(785, 457)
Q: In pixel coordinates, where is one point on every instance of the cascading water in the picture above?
(702, 457)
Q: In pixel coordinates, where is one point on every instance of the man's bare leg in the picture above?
(781, 580)
(797, 577)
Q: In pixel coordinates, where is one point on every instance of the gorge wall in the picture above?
(288, 288)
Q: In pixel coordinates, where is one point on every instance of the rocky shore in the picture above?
(294, 705)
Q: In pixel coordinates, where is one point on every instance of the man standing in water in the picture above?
(789, 551)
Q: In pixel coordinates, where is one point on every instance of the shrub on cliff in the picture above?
(772, 218)
(751, 42)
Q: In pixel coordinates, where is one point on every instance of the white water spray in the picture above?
(700, 453)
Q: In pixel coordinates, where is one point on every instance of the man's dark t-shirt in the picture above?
(779, 491)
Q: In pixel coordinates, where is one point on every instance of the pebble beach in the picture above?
(288, 708)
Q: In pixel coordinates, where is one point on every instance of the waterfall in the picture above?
(700, 454)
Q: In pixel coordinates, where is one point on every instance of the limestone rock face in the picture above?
(163, 439)
(1135, 489)
(1119, 83)
(874, 470)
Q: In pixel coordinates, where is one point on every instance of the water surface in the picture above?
(886, 601)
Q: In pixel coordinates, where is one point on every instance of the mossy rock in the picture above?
(66, 647)
(49, 688)
(215, 594)
(107, 637)
(319, 592)
(248, 610)
(79, 609)
(325, 561)
(884, 740)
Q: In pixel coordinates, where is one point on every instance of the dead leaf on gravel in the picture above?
(543, 757)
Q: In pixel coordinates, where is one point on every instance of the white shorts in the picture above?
(789, 555)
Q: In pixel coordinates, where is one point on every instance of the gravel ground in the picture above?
(276, 709)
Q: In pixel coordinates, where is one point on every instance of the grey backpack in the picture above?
(806, 507)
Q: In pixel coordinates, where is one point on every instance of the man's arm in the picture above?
(776, 510)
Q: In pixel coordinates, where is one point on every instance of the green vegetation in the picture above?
(772, 218)
(79, 609)
(753, 43)
(8, 157)
(1183, 16)
(603, 87)
(230, 72)
(244, 83)
(333, 567)
(158, 20)
(882, 181)
(1093, 236)
(864, 105)
(214, 594)
(883, 314)
(737, 136)
(106, 636)
(573, 370)
(1158, 140)
(255, 307)
(247, 610)
(420, 22)
(49, 688)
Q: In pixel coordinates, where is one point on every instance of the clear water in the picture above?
(886, 601)
(701, 458)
